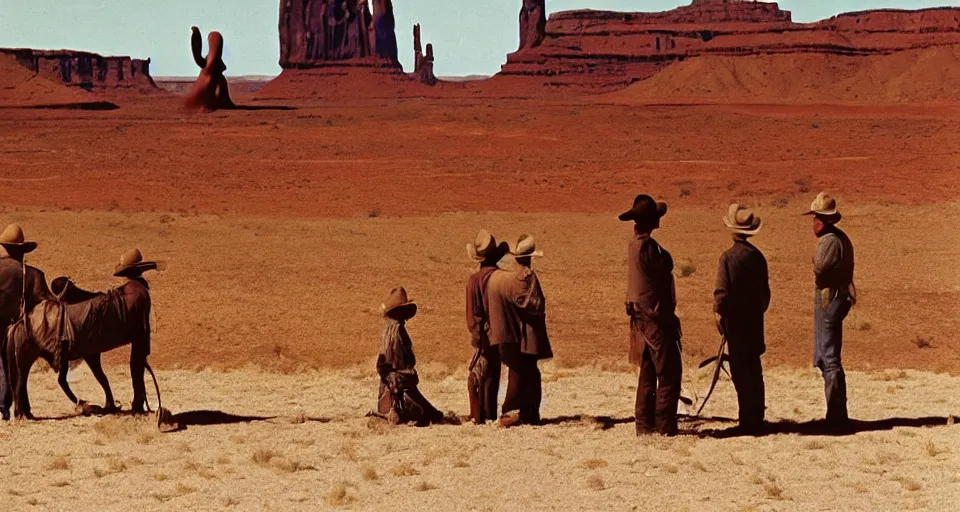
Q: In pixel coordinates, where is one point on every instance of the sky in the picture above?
(468, 36)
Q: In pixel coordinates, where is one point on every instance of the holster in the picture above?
(475, 387)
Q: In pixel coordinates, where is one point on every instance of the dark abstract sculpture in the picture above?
(210, 91)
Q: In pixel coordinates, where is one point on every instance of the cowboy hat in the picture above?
(741, 220)
(644, 209)
(131, 264)
(824, 206)
(485, 247)
(398, 306)
(12, 238)
(526, 248)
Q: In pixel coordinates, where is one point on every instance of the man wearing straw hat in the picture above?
(17, 282)
(518, 326)
(654, 327)
(741, 297)
(484, 379)
(835, 295)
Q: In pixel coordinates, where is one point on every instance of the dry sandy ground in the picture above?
(304, 445)
(288, 294)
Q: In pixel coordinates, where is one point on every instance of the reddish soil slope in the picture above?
(20, 87)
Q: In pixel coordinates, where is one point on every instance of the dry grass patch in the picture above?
(423, 486)
(596, 483)
(933, 450)
(290, 466)
(700, 466)
(595, 463)
(263, 456)
(369, 473)
(160, 477)
(814, 444)
(117, 427)
(908, 484)
(58, 463)
(298, 418)
(773, 490)
(33, 502)
(341, 494)
(404, 469)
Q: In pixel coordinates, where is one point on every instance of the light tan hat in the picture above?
(824, 205)
(485, 247)
(12, 239)
(398, 306)
(132, 264)
(526, 248)
(741, 220)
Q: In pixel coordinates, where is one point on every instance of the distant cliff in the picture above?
(85, 70)
(603, 50)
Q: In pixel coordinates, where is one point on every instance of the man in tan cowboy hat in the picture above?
(136, 301)
(835, 295)
(654, 327)
(518, 326)
(399, 399)
(484, 380)
(741, 297)
(30, 287)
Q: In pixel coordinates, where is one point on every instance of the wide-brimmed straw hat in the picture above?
(132, 264)
(644, 209)
(526, 248)
(485, 247)
(824, 206)
(742, 220)
(398, 306)
(12, 239)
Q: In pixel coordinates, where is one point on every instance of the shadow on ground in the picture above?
(821, 428)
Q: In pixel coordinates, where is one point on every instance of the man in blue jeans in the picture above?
(835, 295)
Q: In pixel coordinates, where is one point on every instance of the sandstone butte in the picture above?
(598, 51)
(329, 48)
(84, 70)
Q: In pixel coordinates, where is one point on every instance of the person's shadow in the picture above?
(822, 428)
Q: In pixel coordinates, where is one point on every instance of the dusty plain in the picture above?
(282, 228)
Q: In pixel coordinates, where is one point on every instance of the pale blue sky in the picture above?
(469, 36)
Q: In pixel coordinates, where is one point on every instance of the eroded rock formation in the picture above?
(602, 50)
(210, 91)
(422, 64)
(533, 23)
(85, 70)
(318, 33)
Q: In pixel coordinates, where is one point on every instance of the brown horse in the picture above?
(82, 325)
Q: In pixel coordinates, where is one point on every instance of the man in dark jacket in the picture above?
(485, 368)
(16, 282)
(835, 295)
(741, 298)
(518, 327)
(654, 327)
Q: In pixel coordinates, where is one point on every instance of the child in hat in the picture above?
(399, 399)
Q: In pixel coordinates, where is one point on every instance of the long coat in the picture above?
(518, 311)
(741, 297)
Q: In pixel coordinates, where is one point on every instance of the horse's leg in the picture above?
(6, 394)
(20, 361)
(64, 385)
(97, 368)
(138, 366)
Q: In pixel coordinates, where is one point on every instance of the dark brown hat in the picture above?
(398, 306)
(644, 209)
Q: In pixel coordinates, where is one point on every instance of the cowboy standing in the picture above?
(835, 295)
(485, 370)
(16, 281)
(654, 327)
(518, 327)
(741, 297)
(399, 399)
